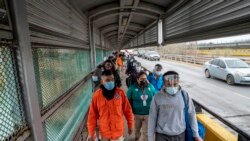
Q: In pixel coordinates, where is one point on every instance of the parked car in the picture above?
(135, 53)
(140, 53)
(233, 70)
(153, 56)
(144, 55)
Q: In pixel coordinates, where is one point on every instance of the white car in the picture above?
(233, 70)
(153, 56)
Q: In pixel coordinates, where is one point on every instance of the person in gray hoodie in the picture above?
(166, 116)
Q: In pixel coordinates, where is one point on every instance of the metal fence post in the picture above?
(198, 109)
(242, 138)
(26, 68)
(92, 45)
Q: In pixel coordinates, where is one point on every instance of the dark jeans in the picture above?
(163, 137)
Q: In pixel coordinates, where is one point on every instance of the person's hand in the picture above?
(91, 138)
(130, 131)
(198, 139)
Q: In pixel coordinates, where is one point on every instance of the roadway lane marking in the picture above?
(242, 95)
(236, 116)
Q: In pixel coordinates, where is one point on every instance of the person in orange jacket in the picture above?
(109, 104)
(119, 63)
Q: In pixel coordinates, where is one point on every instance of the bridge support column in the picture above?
(26, 68)
(160, 35)
(92, 45)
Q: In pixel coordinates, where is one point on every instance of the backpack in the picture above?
(189, 132)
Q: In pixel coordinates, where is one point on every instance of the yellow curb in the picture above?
(215, 132)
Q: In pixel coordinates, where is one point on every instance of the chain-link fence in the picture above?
(3, 13)
(99, 55)
(65, 121)
(57, 70)
(108, 52)
(12, 120)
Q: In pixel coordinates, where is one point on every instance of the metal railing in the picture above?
(242, 135)
(195, 59)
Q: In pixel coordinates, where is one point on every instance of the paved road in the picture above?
(231, 102)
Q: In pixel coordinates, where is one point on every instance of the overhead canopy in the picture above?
(133, 23)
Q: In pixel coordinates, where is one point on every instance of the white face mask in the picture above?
(172, 90)
(158, 73)
(94, 78)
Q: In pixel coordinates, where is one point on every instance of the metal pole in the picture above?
(92, 45)
(101, 39)
(242, 138)
(26, 68)
(160, 34)
(196, 50)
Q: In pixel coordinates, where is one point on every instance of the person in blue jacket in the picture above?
(155, 78)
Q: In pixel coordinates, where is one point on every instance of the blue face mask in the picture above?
(109, 85)
(172, 90)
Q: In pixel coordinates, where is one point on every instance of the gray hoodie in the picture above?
(166, 115)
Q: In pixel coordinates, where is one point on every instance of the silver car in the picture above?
(234, 71)
(153, 56)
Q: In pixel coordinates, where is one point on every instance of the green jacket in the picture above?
(136, 96)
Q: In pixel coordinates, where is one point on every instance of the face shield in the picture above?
(171, 83)
(171, 80)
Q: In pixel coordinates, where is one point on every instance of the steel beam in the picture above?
(113, 34)
(129, 36)
(120, 19)
(150, 7)
(110, 33)
(130, 32)
(135, 4)
(133, 32)
(26, 68)
(173, 7)
(92, 44)
(102, 46)
(115, 13)
(115, 25)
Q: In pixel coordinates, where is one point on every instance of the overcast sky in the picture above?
(231, 39)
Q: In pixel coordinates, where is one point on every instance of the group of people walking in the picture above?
(153, 105)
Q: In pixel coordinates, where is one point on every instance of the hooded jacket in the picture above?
(157, 83)
(110, 114)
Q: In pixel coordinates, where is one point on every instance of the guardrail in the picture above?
(242, 135)
(200, 60)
